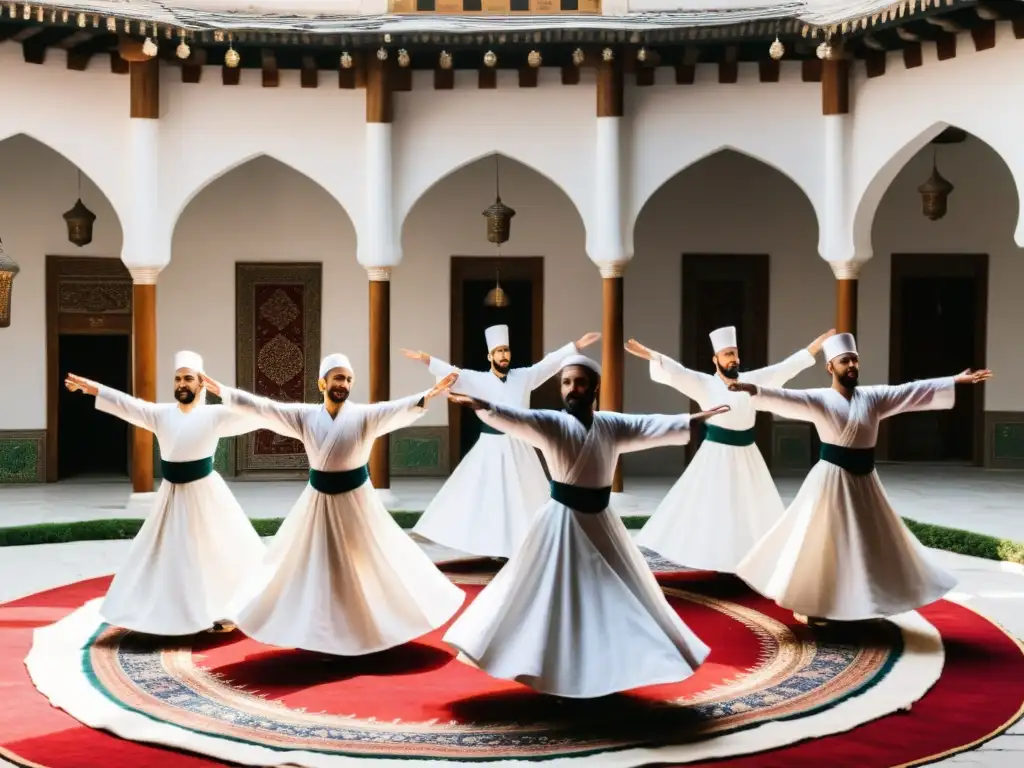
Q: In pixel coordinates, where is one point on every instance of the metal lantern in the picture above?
(499, 222)
(935, 195)
(496, 297)
(79, 220)
(8, 269)
(777, 50)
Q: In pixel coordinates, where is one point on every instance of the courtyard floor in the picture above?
(987, 502)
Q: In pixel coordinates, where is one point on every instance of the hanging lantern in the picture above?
(499, 222)
(8, 269)
(777, 50)
(934, 195)
(496, 297)
(80, 220)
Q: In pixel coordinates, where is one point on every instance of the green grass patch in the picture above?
(935, 536)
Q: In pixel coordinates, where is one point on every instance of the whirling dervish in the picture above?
(576, 612)
(840, 551)
(197, 545)
(340, 577)
(726, 499)
(486, 506)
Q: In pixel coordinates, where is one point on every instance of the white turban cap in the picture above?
(581, 360)
(337, 360)
(497, 336)
(723, 338)
(840, 344)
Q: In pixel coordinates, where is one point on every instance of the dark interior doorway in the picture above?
(92, 442)
(719, 290)
(476, 317)
(938, 329)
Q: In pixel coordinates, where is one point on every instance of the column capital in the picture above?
(379, 274)
(846, 270)
(144, 275)
(612, 268)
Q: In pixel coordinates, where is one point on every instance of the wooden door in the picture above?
(720, 290)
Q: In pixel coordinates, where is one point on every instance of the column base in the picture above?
(140, 505)
(388, 499)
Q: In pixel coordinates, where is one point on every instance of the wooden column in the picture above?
(835, 101)
(144, 89)
(379, 111)
(380, 368)
(609, 105)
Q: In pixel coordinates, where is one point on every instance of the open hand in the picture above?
(743, 386)
(469, 402)
(705, 415)
(443, 385)
(212, 386)
(634, 347)
(80, 384)
(587, 339)
(815, 346)
(423, 357)
(973, 377)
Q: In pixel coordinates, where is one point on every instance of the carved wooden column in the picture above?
(144, 74)
(835, 107)
(378, 252)
(606, 245)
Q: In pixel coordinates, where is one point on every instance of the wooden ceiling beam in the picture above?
(192, 67)
(271, 77)
(80, 54)
(34, 48)
(309, 75)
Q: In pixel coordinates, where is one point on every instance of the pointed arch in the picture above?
(878, 170)
(186, 194)
(651, 186)
(422, 186)
(93, 167)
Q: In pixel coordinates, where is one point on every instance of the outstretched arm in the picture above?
(383, 418)
(283, 418)
(665, 370)
(796, 404)
(777, 375)
(138, 413)
(925, 395)
(232, 422)
(543, 370)
(639, 432)
(534, 427)
(468, 383)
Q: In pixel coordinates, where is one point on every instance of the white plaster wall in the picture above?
(37, 186)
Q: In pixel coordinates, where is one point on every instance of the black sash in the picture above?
(856, 461)
(333, 483)
(181, 472)
(734, 437)
(588, 500)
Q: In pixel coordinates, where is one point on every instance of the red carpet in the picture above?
(981, 690)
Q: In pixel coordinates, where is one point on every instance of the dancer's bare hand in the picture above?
(469, 402)
(443, 385)
(705, 415)
(973, 377)
(413, 354)
(743, 386)
(81, 384)
(587, 339)
(212, 385)
(815, 346)
(634, 347)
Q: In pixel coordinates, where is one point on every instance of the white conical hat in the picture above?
(723, 338)
(837, 345)
(337, 360)
(497, 336)
(582, 360)
(186, 359)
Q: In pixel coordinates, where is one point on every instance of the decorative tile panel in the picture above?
(23, 456)
(420, 451)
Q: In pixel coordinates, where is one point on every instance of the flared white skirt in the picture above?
(841, 552)
(341, 577)
(186, 561)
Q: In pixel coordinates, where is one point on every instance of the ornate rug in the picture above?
(277, 316)
(769, 682)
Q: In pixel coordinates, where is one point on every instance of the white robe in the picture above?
(486, 506)
(726, 499)
(840, 551)
(197, 544)
(576, 612)
(341, 577)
